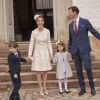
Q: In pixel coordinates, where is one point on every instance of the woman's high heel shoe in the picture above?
(42, 94)
(46, 92)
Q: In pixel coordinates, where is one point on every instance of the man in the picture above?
(80, 48)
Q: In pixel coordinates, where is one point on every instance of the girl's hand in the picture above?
(30, 58)
(16, 76)
(51, 61)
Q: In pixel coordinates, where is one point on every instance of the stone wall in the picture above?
(1, 21)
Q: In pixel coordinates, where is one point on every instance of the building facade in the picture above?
(12, 16)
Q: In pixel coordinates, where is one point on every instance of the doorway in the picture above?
(24, 11)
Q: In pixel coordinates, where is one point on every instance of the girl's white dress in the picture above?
(63, 69)
(40, 49)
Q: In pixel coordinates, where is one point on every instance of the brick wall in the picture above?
(89, 9)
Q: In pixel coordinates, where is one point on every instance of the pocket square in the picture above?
(82, 25)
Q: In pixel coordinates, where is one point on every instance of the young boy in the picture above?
(14, 59)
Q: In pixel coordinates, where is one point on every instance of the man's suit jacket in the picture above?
(14, 62)
(80, 39)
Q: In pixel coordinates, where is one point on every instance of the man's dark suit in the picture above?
(14, 66)
(80, 48)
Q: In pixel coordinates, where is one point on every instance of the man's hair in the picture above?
(13, 44)
(74, 9)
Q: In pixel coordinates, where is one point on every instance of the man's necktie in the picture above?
(75, 27)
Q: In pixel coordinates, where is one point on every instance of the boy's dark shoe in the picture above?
(82, 92)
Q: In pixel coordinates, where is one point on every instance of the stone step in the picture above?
(29, 76)
(27, 67)
(3, 60)
(21, 46)
(72, 83)
(23, 53)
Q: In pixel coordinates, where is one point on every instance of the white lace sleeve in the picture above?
(31, 45)
(49, 44)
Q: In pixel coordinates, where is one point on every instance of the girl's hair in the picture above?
(62, 44)
(13, 44)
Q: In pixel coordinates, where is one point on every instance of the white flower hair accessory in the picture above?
(36, 16)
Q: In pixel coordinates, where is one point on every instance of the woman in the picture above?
(40, 52)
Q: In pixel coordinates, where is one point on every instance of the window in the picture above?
(45, 8)
(44, 4)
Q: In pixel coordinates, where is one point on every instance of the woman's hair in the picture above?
(13, 44)
(40, 17)
(62, 44)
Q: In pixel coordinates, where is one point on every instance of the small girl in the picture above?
(63, 70)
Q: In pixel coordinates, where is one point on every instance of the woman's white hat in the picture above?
(36, 16)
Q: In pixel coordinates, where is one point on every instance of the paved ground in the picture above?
(32, 94)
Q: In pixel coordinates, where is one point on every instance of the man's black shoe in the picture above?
(93, 92)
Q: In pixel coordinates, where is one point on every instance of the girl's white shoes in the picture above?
(67, 91)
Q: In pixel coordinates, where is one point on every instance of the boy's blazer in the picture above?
(14, 62)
